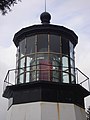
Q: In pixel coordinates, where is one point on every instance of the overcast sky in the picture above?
(73, 14)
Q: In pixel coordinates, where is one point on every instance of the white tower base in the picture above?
(46, 111)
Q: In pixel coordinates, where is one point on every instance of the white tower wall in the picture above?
(46, 111)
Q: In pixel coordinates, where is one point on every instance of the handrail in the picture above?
(82, 73)
(87, 78)
(9, 83)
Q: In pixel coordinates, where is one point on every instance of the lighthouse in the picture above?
(45, 86)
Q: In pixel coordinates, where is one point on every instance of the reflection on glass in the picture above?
(55, 57)
(65, 77)
(55, 60)
(21, 78)
(42, 56)
(27, 76)
(55, 72)
(72, 68)
(28, 69)
(65, 63)
(71, 50)
(72, 71)
(65, 69)
(28, 63)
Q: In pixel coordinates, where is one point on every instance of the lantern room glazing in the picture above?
(47, 57)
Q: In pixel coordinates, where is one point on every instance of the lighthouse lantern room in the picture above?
(45, 75)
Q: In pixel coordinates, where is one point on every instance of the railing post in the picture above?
(89, 85)
(8, 77)
(77, 75)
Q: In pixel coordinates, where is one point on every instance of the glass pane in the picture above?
(54, 57)
(55, 75)
(71, 50)
(22, 48)
(72, 66)
(72, 63)
(33, 70)
(17, 55)
(65, 77)
(65, 47)
(55, 61)
(27, 77)
(21, 78)
(28, 63)
(42, 56)
(65, 69)
(72, 71)
(33, 75)
(55, 43)
(65, 63)
(43, 67)
(44, 75)
(17, 64)
(42, 43)
(72, 79)
(30, 45)
(22, 65)
(28, 69)
(38, 73)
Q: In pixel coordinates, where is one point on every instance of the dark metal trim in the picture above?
(46, 91)
(45, 29)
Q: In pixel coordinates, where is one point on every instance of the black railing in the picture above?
(81, 78)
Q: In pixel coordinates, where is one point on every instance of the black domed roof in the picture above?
(45, 17)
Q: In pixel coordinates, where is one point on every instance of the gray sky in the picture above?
(73, 14)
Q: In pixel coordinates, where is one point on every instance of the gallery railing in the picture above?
(80, 78)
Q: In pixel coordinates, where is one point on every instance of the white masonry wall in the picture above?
(45, 111)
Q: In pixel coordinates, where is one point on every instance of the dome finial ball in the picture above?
(45, 18)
